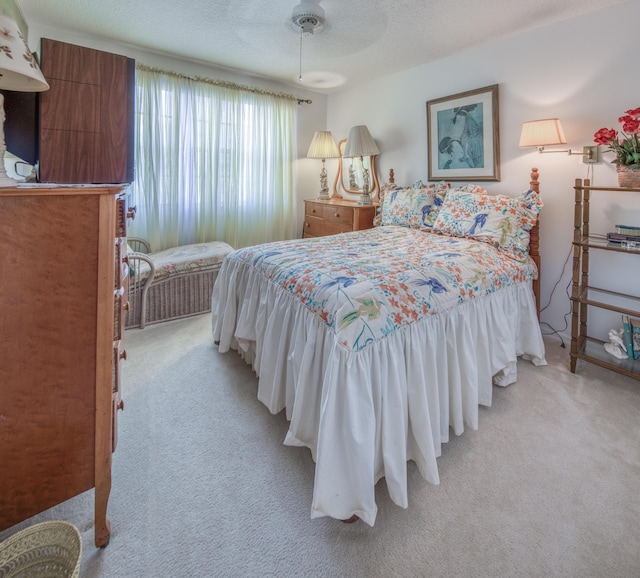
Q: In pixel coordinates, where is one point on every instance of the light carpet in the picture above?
(203, 486)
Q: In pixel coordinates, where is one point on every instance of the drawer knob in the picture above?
(126, 306)
(313, 210)
(131, 213)
(306, 225)
(337, 215)
(123, 354)
(120, 405)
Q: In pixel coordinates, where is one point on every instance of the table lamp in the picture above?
(19, 71)
(360, 143)
(323, 146)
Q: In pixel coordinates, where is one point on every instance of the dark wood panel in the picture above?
(68, 156)
(114, 145)
(100, 102)
(65, 62)
(57, 114)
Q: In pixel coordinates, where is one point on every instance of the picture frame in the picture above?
(463, 136)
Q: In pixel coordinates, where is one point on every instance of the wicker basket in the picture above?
(628, 178)
(45, 550)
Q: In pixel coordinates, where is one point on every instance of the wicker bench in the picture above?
(172, 283)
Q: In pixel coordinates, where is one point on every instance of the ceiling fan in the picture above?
(307, 18)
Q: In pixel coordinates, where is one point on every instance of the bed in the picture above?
(378, 343)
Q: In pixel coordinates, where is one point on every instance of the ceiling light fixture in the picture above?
(307, 18)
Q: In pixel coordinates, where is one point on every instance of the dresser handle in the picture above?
(337, 215)
(123, 354)
(126, 306)
(313, 210)
(306, 225)
(120, 405)
(131, 213)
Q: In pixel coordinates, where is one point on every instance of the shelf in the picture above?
(592, 350)
(587, 187)
(611, 300)
(600, 243)
(585, 296)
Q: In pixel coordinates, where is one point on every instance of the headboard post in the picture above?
(534, 184)
(534, 240)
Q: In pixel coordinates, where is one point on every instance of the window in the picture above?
(213, 162)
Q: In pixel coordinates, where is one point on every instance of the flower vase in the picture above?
(628, 178)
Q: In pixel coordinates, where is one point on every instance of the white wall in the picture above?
(583, 71)
(310, 117)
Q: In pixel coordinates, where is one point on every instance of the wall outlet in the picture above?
(590, 154)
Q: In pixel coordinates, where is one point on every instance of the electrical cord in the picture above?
(566, 322)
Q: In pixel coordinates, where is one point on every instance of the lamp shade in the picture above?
(539, 133)
(323, 146)
(360, 143)
(19, 70)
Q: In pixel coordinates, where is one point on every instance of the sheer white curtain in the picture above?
(213, 162)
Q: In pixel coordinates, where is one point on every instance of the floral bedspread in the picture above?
(366, 285)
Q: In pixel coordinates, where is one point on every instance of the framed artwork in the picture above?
(463, 143)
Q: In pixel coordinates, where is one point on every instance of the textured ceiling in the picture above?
(362, 39)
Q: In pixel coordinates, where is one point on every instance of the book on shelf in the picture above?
(627, 241)
(634, 327)
(628, 230)
(626, 326)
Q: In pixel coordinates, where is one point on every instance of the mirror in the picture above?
(350, 175)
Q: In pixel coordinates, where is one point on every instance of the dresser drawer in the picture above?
(335, 216)
(315, 227)
(344, 215)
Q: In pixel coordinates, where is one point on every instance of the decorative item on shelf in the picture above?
(323, 146)
(18, 71)
(626, 146)
(360, 144)
(549, 132)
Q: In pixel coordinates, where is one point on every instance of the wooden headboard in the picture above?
(534, 234)
(534, 240)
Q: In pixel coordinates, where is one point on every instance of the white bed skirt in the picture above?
(363, 414)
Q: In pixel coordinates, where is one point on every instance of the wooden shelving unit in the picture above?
(584, 296)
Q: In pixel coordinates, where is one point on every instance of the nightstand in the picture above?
(334, 216)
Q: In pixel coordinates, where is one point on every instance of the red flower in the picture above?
(605, 136)
(627, 146)
(629, 124)
(635, 113)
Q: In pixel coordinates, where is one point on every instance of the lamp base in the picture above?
(323, 196)
(365, 199)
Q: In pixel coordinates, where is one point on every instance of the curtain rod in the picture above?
(223, 83)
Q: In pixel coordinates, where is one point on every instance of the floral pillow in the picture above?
(384, 189)
(416, 208)
(498, 220)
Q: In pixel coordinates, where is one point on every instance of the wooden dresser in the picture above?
(336, 216)
(63, 282)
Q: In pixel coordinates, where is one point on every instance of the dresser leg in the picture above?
(102, 532)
